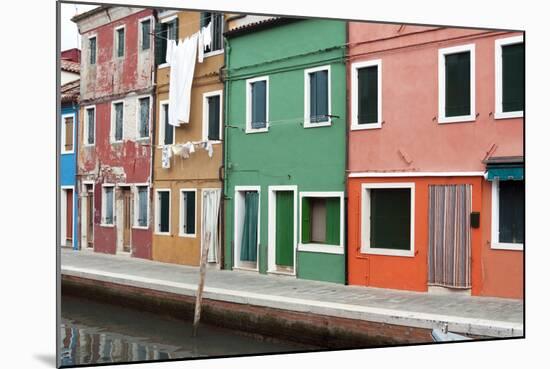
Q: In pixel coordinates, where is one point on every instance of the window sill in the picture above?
(186, 235)
(89, 145)
(308, 124)
(320, 247)
(387, 252)
(162, 233)
(117, 142)
(507, 246)
(213, 53)
(142, 139)
(258, 130)
(67, 152)
(509, 114)
(107, 225)
(458, 119)
(163, 65)
(140, 227)
(363, 126)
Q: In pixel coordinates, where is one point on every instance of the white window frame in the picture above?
(355, 126)
(182, 213)
(365, 219)
(495, 244)
(141, 35)
(83, 214)
(138, 117)
(104, 205)
(167, 20)
(248, 85)
(115, 42)
(307, 97)
(113, 121)
(162, 123)
(93, 35)
(205, 115)
(63, 133)
(441, 83)
(86, 124)
(135, 189)
(157, 211)
(499, 43)
(320, 247)
(238, 205)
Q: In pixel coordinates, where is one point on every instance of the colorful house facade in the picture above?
(285, 130)
(67, 164)
(436, 186)
(188, 158)
(114, 152)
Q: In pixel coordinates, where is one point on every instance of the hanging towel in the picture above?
(182, 67)
(208, 147)
(177, 149)
(166, 155)
(207, 35)
(201, 46)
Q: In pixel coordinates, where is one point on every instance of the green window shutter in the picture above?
(368, 95)
(92, 50)
(168, 128)
(214, 117)
(120, 45)
(306, 220)
(142, 213)
(144, 117)
(118, 121)
(513, 77)
(390, 214)
(146, 37)
(511, 211)
(333, 221)
(313, 97)
(164, 198)
(259, 104)
(284, 248)
(91, 128)
(189, 197)
(160, 43)
(457, 84)
(318, 96)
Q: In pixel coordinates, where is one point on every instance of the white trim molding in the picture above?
(495, 244)
(138, 117)
(64, 134)
(157, 211)
(365, 219)
(415, 174)
(355, 125)
(182, 218)
(319, 247)
(238, 222)
(307, 97)
(88, 50)
(248, 87)
(272, 227)
(499, 43)
(135, 189)
(442, 53)
(205, 116)
(63, 215)
(104, 204)
(115, 42)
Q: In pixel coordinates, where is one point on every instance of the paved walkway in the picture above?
(464, 314)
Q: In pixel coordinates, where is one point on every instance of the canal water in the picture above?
(93, 332)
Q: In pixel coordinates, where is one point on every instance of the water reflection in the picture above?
(93, 333)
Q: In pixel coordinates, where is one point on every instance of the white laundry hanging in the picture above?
(166, 155)
(208, 147)
(210, 214)
(207, 35)
(182, 59)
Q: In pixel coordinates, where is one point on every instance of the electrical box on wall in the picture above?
(474, 219)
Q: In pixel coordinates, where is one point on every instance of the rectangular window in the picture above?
(167, 130)
(317, 97)
(163, 212)
(119, 42)
(257, 101)
(92, 49)
(509, 77)
(68, 129)
(366, 90)
(509, 213)
(108, 205)
(387, 219)
(212, 116)
(164, 30)
(457, 84)
(188, 212)
(90, 126)
(144, 108)
(216, 19)
(142, 213)
(321, 220)
(146, 34)
(118, 121)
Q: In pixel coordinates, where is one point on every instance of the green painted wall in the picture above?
(288, 154)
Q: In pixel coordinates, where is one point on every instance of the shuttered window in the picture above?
(318, 96)
(513, 77)
(217, 29)
(69, 128)
(164, 31)
(142, 206)
(259, 104)
(390, 218)
(188, 212)
(90, 126)
(168, 129)
(92, 49)
(108, 205)
(163, 211)
(511, 211)
(457, 84)
(145, 34)
(119, 118)
(144, 117)
(321, 220)
(213, 117)
(120, 42)
(367, 106)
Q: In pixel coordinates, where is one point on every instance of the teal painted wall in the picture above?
(288, 154)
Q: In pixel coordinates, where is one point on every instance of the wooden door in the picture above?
(284, 230)
(69, 212)
(127, 220)
(90, 219)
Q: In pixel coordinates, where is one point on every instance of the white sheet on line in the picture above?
(211, 207)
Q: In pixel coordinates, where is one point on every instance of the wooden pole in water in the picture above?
(200, 287)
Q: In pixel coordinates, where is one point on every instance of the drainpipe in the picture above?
(346, 144)
(153, 131)
(76, 237)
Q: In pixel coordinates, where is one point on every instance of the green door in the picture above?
(284, 229)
